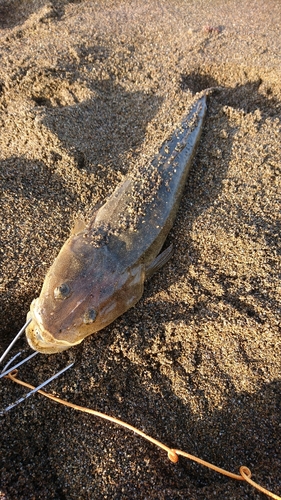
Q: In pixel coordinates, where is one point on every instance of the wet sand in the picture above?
(88, 91)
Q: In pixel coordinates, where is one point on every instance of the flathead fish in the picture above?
(100, 271)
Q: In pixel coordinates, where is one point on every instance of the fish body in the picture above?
(100, 271)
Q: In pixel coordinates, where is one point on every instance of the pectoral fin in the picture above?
(78, 227)
(80, 224)
(159, 262)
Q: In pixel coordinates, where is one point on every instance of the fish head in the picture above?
(85, 289)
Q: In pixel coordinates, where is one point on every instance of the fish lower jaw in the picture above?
(44, 342)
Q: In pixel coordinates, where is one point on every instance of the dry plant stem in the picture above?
(173, 454)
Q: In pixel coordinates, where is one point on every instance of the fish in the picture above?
(100, 270)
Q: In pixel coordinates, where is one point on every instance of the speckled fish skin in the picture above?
(100, 271)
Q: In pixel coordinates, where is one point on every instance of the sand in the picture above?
(89, 90)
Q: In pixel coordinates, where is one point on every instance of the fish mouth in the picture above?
(41, 340)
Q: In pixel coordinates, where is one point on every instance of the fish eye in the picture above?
(62, 291)
(90, 316)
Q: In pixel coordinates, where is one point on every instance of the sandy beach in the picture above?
(88, 91)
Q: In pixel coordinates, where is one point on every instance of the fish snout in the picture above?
(42, 341)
